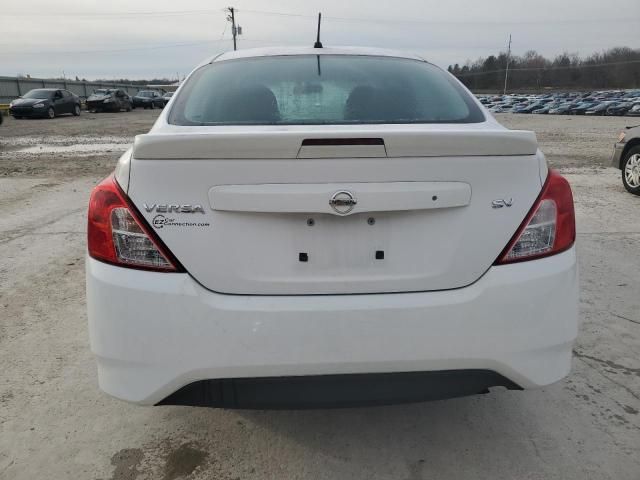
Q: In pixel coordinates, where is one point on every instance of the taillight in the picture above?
(117, 233)
(550, 225)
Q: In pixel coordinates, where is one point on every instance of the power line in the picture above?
(277, 42)
(128, 49)
(237, 30)
(263, 41)
(549, 68)
(107, 15)
(437, 22)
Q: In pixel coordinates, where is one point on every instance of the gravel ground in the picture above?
(69, 146)
(55, 423)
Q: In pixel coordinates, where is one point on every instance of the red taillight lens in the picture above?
(117, 233)
(550, 226)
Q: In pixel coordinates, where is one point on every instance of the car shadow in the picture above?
(398, 427)
(497, 432)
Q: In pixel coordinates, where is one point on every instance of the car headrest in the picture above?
(366, 103)
(360, 104)
(255, 103)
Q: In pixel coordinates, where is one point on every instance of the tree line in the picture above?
(616, 68)
(153, 81)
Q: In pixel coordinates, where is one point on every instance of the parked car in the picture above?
(109, 99)
(632, 95)
(46, 103)
(619, 109)
(595, 103)
(600, 108)
(166, 97)
(562, 109)
(255, 251)
(544, 109)
(626, 157)
(148, 99)
(634, 111)
(581, 108)
(528, 108)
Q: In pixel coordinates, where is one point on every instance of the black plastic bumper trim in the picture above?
(334, 391)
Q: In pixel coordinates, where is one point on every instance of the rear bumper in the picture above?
(141, 103)
(326, 391)
(155, 333)
(100, 105)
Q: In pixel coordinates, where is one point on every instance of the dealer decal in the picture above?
(161, 221)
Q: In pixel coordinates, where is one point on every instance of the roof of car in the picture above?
(279, 51)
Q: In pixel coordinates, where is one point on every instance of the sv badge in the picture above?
(502, 202)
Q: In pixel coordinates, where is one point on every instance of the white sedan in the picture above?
(329, 227)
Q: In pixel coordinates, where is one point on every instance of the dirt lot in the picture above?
(56, 424)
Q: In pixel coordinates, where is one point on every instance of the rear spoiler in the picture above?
(386, 141)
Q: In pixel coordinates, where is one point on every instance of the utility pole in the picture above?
(232, 18)
(506, 71)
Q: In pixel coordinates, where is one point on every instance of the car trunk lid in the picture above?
(335, 210)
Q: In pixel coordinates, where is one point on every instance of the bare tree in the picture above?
(614, 68)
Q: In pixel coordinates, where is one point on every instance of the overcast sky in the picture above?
(163, 38)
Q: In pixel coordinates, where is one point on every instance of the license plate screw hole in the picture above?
(371, 221)
(311, 222)
(303, 257)
(434, 198)
(379, 254)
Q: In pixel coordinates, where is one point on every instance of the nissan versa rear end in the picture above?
(329, 227)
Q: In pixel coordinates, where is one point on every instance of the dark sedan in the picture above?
(148, 99)
(111, 99)
(46, 103)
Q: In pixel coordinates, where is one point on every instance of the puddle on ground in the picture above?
(78, 148)
(183, 462)
(66, 146)
(180, 462)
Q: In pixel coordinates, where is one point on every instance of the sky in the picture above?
(162, 38)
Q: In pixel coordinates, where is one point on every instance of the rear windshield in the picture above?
(322, 90)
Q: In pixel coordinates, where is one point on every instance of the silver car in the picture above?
(626, 157)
